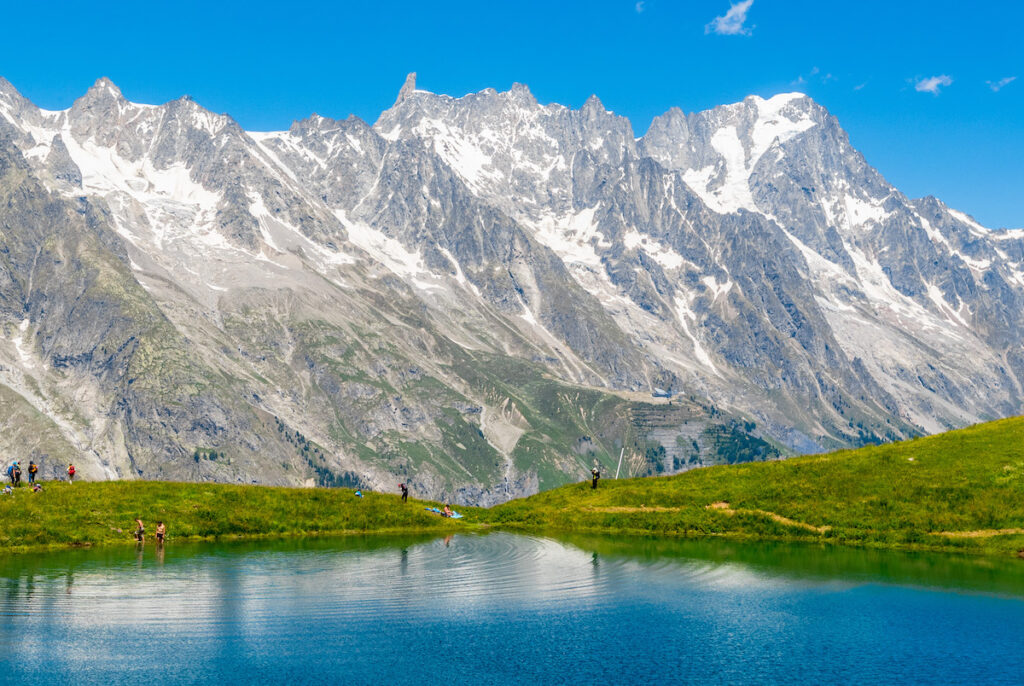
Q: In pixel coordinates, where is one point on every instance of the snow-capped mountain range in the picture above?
(476, 294)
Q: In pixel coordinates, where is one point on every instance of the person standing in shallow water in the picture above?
(140, 533)
(161, 531)
(595, 474)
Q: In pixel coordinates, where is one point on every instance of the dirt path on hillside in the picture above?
(722, 507)
(728, 509)
(981, 533)
(624, 508)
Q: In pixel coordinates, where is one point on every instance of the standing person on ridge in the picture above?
(32, 470)
(71, 473)
(405, 492)
(595, 473)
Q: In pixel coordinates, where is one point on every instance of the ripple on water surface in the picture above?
(491, 609)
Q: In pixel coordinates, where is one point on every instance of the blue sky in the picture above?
(916, 84)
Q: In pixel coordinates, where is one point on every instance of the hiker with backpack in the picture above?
(71, 473)
(16, 474)
(33, 469)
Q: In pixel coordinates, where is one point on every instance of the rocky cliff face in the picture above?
(476, 295)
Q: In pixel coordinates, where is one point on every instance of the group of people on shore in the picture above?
(140, 531)
(446, 512)
(13, 473)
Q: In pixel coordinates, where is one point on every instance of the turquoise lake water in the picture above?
(501, 608)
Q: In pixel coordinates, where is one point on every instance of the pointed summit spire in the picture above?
(9, 93)
(105, 86)
(593, 103)
(6, 86)
(407, 88)
(521, 92)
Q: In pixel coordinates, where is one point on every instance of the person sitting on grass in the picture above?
(36, 488)
(447, 511)
(8, 490)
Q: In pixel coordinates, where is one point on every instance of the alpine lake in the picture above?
(501, 608)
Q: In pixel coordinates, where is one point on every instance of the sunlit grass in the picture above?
(896, 495)
(89, 513)
(902, 495)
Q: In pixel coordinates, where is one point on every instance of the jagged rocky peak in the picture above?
(408, 88)
(104, 90)
(761, 262)
(7, 87)
(316, 123)
(593, 104)
(9, 95)
(672, 123)
(719, 150)
(15, 108)
(189, 113)
(520, 94)
(752, 118)
(102, 114)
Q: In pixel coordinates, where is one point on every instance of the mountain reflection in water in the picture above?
(501, 608)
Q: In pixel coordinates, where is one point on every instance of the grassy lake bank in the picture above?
(958, 491)
(104, 512)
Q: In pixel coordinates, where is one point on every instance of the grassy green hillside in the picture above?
(959, 490)
(90, 513)
(963, 490)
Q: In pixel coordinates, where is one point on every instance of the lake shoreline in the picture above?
(958, 492)
(465, 526)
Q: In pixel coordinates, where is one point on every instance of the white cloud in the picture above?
(732, 23)
(932, 84)
(640, 7)
(814, 76)
(997, 86)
